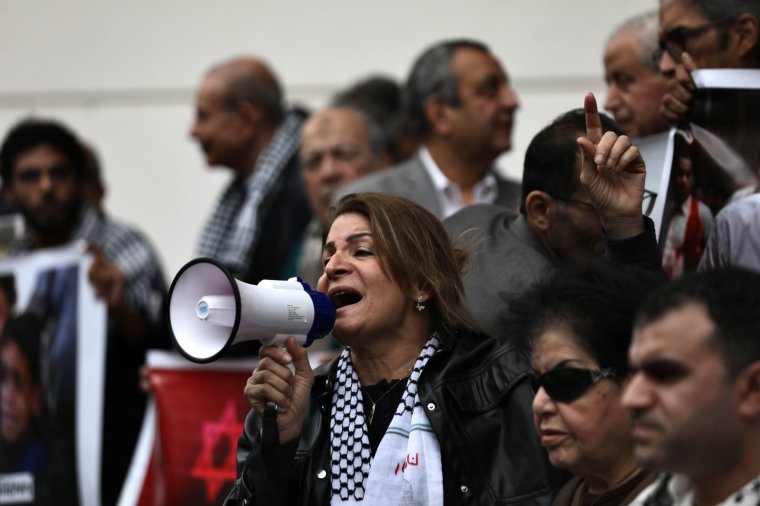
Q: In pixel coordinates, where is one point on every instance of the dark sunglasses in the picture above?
(566, 384)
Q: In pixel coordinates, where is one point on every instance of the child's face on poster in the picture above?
(20, 395)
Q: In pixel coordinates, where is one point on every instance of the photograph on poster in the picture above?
(51, 367)
(698, 168)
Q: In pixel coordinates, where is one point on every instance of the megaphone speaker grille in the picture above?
(197, 339)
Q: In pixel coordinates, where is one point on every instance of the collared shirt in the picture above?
(449, 195)
(677, 490)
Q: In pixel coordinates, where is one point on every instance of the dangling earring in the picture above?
(418, 306)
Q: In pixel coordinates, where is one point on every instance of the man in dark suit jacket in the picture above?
(461, 106)
(560, 219)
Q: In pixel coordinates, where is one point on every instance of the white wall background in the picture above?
(123, 74)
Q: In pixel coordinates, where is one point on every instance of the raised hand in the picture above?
(106, 278)
(273, 381)
(677, 101)
(613, 173)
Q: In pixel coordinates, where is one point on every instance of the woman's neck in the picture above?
(391, 362)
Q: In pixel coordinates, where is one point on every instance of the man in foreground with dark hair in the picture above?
(42, 167)
(695, 389)
(461, 107)
(558, 220)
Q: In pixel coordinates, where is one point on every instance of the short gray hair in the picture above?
(432, 75)
(644, 27)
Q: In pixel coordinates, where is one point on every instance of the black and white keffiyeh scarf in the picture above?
(406, 468)
(232, 230)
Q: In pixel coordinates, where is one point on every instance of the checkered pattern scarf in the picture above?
(126, 247)
(233, 229)
(407, 466)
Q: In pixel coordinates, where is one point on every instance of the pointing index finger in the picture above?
(594, 129)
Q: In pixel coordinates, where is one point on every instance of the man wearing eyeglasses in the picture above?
(635, 86)
(694, 390)
(560, 217)
(707, 34)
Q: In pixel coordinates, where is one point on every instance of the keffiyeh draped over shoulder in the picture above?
(407, 466)
(232, 231)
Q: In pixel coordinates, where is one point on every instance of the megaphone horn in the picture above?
(209, 311)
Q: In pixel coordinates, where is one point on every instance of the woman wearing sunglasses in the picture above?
(578, 322)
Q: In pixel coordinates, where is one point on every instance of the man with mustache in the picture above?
(461, 106)
(338, 145)
(694, 390)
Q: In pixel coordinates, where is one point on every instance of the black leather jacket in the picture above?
(478, 400)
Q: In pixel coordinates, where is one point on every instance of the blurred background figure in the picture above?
(578, 320)
(381, 98)
(704, 34)
(338, 145)
(635, 86)
(241, 123)
(43, 167)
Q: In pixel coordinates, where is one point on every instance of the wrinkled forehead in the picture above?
(334, 127)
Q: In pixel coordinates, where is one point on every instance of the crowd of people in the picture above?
(496, 341)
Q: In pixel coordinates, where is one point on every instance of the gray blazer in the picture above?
(410, 180)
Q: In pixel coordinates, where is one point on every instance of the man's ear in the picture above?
(539, 210)
(745, 34)
(251, 118)
(747, 387)
(437, 113)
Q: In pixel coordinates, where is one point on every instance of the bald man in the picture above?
(241, 124)
(338, 145)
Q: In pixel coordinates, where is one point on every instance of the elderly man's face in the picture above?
(335, 149)
(634, 90)
(216, 126)
(682, 399)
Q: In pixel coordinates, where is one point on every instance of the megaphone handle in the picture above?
(270, 435)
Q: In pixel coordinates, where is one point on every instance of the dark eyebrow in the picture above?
(350, 238)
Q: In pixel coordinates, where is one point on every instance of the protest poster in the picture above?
(713, 157)
(52, 346)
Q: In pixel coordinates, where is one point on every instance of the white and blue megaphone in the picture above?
(209, 311)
